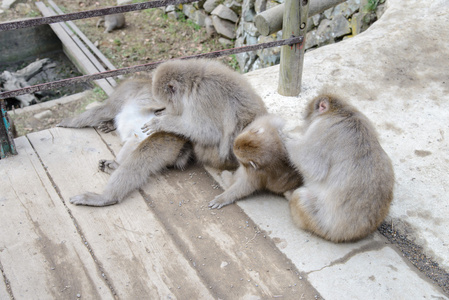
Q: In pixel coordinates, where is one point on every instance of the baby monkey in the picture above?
(264, 163)
(348, 177)
(128, 108)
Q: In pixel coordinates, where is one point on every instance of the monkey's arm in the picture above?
(151, 156)
(241, 187)
(203, 133)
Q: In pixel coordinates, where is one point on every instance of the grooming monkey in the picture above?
(264, 163)
(208, 104)
(348, 177)
(112, 22)
(201, 102)
(128, 108)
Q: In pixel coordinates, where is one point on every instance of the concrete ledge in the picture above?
(397, 73)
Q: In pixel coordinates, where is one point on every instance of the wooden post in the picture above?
(7, 145)
(292, 57)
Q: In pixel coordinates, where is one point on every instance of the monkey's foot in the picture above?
(107, 166)
(219, 202)
(91, 199)
(107, 126)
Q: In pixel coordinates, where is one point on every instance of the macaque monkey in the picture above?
(264, 163)
(112, 22)
(128, 108)
(206, 103)
(348, 177)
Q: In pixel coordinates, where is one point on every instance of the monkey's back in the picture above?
(354, 196)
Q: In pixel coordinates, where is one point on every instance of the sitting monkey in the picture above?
(199, 104)
(264, 163)
(348, 177)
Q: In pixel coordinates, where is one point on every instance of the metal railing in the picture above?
(292, 42)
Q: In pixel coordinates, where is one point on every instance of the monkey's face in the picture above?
(256, 148)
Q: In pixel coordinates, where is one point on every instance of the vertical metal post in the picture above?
(7, 145)
(292, 57)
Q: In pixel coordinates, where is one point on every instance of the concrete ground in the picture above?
(397, 73)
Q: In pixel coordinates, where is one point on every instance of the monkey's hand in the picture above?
(153, 125)
(107, 166)
(91, 199)
(220, 201)
(107, 126)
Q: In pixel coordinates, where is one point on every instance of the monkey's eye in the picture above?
(158, 112)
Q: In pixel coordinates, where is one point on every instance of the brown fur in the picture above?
(207, 103)
(348, 177)
(264, 163)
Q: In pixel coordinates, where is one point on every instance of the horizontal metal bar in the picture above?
(145, 67)
(89, 14)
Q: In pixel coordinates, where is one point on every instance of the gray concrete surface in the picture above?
(397, 73)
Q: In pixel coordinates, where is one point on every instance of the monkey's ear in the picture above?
(323, 105)
(171, 87)
(258, 130)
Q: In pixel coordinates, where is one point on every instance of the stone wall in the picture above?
(233, 21)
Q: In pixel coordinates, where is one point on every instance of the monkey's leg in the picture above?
(90, 118)
(241, 187)
(151, 156)
(302, 203)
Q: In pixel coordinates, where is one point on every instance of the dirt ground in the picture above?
(149, 35)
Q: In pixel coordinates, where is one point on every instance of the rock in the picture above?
(170, 8)
(311, 39)
(340, 26)
(200, 18)
(225, 13)
(268, 56)
(358, 25)
(324, 34)
(235, 6)
(210, 29)
(248, 12)
(23, 8)
(188, 10)
(260, 6)
(380, 10)
(346, 9)
(6, 4)
(210, 5)
(225, 42)
(43, 115)
(223, 27)
(121, 2)
(173, 15)
(316, 19)
(250, 28)
(242, 58)
(328, 13)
